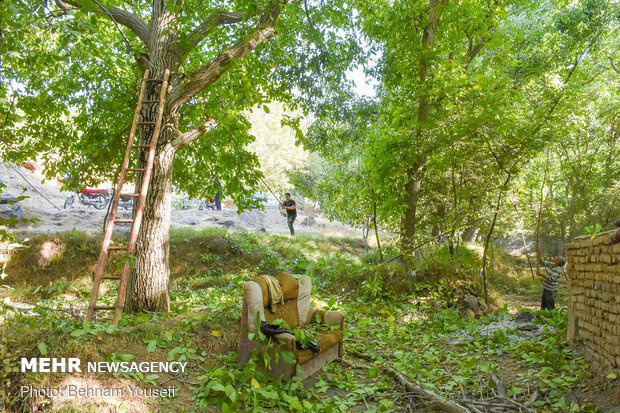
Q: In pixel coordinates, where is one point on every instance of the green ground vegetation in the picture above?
(406, 318)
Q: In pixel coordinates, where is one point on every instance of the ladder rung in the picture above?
(102, 307)
(125, 221)
(131, 195)
(155, 80)
(136, 169)
(111, 277)
(140, 146)
(150, 101)
(145, 123)
(117, 247)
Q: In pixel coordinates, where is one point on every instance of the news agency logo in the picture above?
(73, 365)
(51, 365)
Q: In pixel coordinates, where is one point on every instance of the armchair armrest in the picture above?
(286, 338)
(326, 317)
(286, 341)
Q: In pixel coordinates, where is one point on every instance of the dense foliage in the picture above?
(518, 102)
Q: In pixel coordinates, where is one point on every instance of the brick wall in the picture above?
(593, 268)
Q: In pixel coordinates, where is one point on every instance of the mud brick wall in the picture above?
(593, 269)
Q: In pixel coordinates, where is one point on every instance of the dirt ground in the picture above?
(45, 206)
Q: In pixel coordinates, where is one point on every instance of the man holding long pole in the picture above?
(291, 211)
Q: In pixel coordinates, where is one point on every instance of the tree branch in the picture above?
(220, 19)
(126, 18)
(611, 60)
(129, 47)
(209, 73)
(188, 137)
(440, 402)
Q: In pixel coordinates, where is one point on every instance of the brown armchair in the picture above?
(296, 312)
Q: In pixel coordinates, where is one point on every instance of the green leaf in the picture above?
(42, 348)
(151, 379)
(87, 5)
(269, 394)
(218, 387)
(231, 392)
(288, 357)
(152, 345)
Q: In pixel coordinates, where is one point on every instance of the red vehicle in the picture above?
(207, 203)
(98, 198)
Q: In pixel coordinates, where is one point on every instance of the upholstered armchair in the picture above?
(296, 312)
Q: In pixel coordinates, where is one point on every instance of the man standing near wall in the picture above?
(291, 211)
(551, 279)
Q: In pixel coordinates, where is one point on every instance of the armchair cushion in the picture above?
(326, 340)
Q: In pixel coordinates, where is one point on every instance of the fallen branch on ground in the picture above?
(438, 402)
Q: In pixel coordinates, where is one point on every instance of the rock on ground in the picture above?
(189, 220)
(471, 303)
(524, 317)
(219, 245)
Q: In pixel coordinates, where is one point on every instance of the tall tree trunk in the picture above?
(488, 239)
(148, 284)
(374, 220)
(412, 188)
(455, 203)
(416, 173)
(364, 232)
(486, 248)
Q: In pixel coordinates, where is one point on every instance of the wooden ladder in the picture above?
(137, 219)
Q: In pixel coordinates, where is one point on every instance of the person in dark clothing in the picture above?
(291, 211)
(218, 204)
(551, 279)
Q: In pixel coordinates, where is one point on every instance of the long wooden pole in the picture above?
(269, 189)
(527, 253)
(542, 187)
(374, 221)
(33, 187)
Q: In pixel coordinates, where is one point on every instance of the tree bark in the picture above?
(488, 239)
(148, 284)
(412, 188)
(416, 173)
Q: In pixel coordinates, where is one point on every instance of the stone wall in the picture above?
(593, 268)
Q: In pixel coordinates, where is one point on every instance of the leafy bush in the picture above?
(439, 264)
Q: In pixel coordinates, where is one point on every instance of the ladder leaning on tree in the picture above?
(129, 249)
